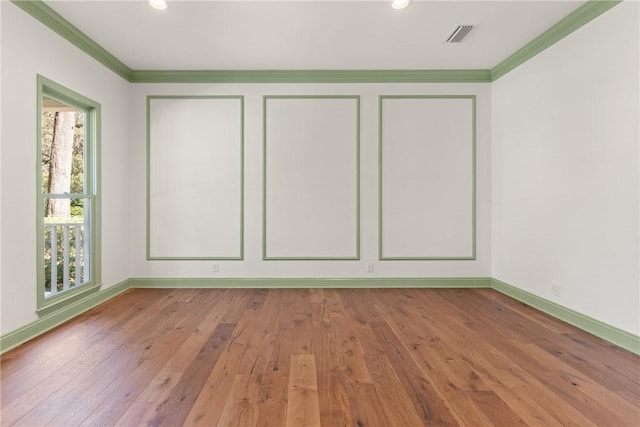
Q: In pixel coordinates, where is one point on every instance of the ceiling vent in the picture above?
(459, 33)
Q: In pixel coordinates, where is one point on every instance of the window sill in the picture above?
(60, 301)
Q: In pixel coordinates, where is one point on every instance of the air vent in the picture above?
(459, 33)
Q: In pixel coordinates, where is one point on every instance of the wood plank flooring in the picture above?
(318, 357)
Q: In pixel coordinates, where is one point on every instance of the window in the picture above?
(68, 244)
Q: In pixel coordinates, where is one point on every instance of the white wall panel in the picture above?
(195, 177)
(311, 147)
(427, 200)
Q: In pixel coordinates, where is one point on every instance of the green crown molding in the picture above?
(570, 23)
(49, 17)
(311, 76)
(52, 19)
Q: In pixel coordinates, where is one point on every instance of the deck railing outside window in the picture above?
(66, 249)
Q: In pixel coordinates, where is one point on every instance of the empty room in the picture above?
(319, 213)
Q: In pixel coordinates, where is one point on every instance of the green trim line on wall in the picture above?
(570, 23)
(49, 17)
(266, 257)
(50, 321)
(240, 255)
(595, 327)
(52, 19)
(381, 257)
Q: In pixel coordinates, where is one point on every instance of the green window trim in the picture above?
(50, 89)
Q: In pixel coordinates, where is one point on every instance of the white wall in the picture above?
(253, 265)
(1, 200)
(30, 48)
(565, 171)
(564, 182)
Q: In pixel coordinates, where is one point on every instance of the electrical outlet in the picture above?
(556, 289)
(369, 267)
(215, 268)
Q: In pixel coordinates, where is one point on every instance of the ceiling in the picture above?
(311, 35)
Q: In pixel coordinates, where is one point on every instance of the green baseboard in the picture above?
(307, 282)
(600, 329)
(50, 321)
(621, 338)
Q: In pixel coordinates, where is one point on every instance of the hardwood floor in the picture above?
(311, 357)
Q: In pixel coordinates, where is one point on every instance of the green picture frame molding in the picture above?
(473, 255)
(238, 257)
(265, 256)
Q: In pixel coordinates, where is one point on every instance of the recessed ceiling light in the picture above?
(158, 4)
(400, 4)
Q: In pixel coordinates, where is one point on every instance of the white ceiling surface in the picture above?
(254, 35)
